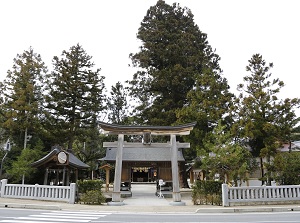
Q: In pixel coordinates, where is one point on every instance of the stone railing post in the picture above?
(265, 191)
(36, 190)
(225, 199)
(2, 189)
(72, 193)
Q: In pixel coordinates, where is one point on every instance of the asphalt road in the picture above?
(47, 216)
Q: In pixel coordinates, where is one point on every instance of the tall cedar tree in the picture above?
(264, 120)
(75, 97)
(23, 97)
(173, 55)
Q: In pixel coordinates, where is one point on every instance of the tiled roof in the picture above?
(74, 162)
(142, 154)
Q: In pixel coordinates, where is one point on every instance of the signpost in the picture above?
(160, 183)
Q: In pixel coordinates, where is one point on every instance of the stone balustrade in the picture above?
(38, 192)
(259, 194)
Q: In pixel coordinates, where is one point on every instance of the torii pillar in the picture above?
(116, 194)
(175, 174)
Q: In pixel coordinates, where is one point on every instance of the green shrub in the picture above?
(92, 197)
(87, 185)
(90, 191)
(207, 192)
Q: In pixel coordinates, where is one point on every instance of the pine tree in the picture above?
(263, 120)
(228, 159)
(75, 98)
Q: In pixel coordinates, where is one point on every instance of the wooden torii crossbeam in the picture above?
(140, 130)
(122, 130)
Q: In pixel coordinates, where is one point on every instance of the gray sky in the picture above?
(237, 29)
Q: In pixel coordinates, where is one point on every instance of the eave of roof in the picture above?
(74, 162)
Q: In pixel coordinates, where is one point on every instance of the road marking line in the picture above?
(79, 212)
(21, 221)
(74, 214)
(57, 220)
(63, 216)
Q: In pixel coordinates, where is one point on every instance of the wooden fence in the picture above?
(38, 192)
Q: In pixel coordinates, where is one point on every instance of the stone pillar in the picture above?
(175, 173)
(64, 176)
(116, 194)
(46, 176)
(2, 189)
(72, 193)
(57, 177)
(76, 175)
(68, 176)
(225, 201)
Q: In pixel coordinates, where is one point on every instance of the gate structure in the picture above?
(146, 131)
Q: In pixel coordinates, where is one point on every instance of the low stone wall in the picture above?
(260, 195)
(38, 192)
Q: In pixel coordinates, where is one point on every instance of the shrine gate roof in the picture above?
(139, 130)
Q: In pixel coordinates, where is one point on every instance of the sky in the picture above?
(107, 30)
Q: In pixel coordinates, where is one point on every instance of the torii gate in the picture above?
(173, 131)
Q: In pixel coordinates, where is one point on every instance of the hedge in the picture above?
(207, 192)
(90, 191)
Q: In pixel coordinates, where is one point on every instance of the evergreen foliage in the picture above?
(22, 92)
(88, 149)
(179, 78)
(90, 191)
(227, 158)
(21, 169)
(285, 168)
(207, 103)
(207, 192)
(173, 56)
(75, 97)
(264, 121)
(87, 185)
(117, 105)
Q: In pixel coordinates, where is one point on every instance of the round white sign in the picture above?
(62, 157)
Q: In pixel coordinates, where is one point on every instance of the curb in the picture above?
(247, 210)
(31, 206)
(199, 210)
(214, 210)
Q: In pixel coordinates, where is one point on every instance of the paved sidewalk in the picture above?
(144, 200)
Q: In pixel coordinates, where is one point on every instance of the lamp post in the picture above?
(7, 148)
(2, 165)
